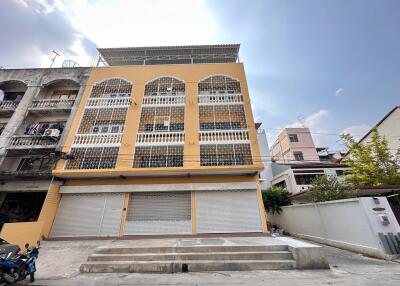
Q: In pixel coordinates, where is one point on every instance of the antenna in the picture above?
(55, 55)
(301, 120)
(70, 64)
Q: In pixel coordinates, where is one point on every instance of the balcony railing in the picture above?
(226, 136)
(108, 102)
(52, 103)
(160, 138)
(164, 100)
(97, 140)
(211, 99)
(31, 141)
(8, 104)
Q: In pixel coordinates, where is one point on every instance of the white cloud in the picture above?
(142, 23)
(357, 131)
(339, 92)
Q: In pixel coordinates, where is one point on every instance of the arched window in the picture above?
(113, 87)
(219, 84)
(165, 86)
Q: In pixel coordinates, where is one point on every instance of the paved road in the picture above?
(347, 268)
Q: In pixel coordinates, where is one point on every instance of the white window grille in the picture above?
(158, 157)
(222, 117)
(219, 85)
(93, 158)
(225, 155)
(164, 86)
(112, 88)
(159, 119)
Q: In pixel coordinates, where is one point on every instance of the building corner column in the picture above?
(50, 207)
(17, 119)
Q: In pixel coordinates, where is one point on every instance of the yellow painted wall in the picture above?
(139, 76)
(49, 208)
(22, 232)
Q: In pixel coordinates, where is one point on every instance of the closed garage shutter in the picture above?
(227, 211)
(159, 213)
(88, 215)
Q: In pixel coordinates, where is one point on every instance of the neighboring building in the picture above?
(325, 155)
(388, 127)
(294, 145)
(163, 142)
(266, 174)
(37, 107)
(297, 177)
(296, 161)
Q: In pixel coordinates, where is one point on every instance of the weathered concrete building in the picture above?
(37, 107)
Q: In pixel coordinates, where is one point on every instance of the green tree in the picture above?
(274, 198)
(370, 163)
(328, 188)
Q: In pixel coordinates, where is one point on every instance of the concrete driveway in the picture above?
(347, 268)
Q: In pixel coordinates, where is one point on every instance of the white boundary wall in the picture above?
(350, 224)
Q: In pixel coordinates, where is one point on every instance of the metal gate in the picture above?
(227, 211)
(88, 215)
(159, 213)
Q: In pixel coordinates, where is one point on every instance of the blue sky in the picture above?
(334, 66)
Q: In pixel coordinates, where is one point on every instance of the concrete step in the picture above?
(185, 266)
(271, 255)
(191, 249)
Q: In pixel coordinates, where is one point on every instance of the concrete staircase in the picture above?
(174, 259)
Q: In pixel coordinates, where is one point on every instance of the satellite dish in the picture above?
(70, 64)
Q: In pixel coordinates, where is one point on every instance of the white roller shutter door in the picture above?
(159, 213)
(88, 215)
(227, 211)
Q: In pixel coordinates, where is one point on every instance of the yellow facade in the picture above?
(191, 172)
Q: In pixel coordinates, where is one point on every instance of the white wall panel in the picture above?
(227, 211)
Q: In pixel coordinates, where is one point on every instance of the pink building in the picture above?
(294, 145)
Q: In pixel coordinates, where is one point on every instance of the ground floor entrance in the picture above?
(158, 213)
(20, 206)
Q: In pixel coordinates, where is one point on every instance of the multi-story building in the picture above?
(297, 162)
(163, 142)
(36, 110)
(294, 145)
(389, 128)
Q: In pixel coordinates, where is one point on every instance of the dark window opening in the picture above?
(298, 156)
(293, 138)
(21, 206)
(305, 179)
(281, 184)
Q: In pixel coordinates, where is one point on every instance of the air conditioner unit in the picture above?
(169, 89)
(51, 133)
(166, 123)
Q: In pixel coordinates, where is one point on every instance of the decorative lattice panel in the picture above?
(219, 84)
(93, 158)
(225, 154)
(158, 157)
